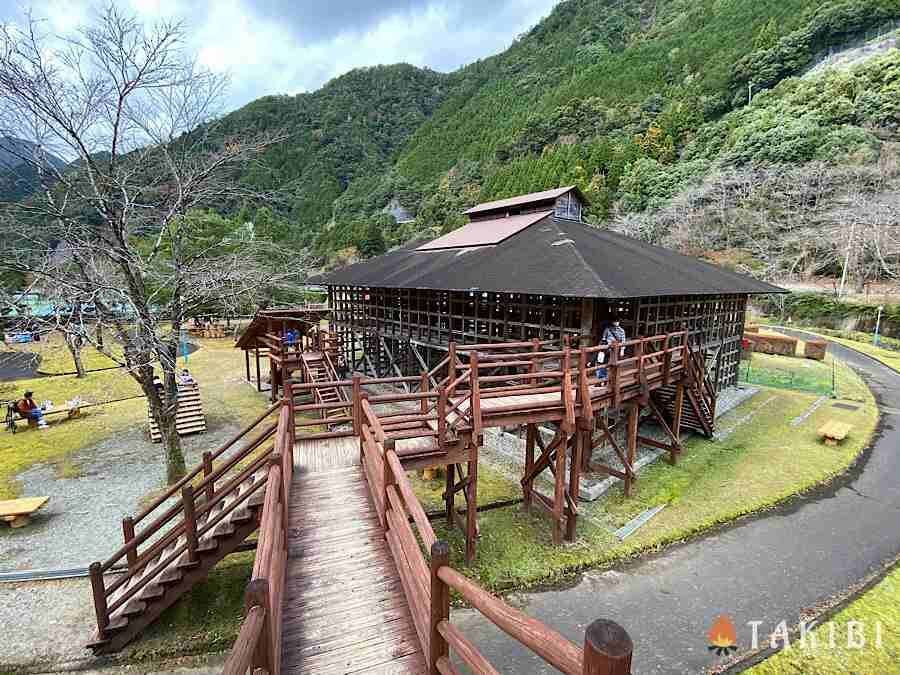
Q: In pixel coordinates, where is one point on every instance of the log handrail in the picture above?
(131, 544)
(176, 487)
(555, 649)
(258, 645)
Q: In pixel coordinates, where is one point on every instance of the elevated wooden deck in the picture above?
(344, 610)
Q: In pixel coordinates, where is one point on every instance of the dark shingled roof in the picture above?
(551, 257)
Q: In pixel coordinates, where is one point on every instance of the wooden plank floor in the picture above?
(344, 608)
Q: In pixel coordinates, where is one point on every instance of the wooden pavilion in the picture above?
(528, 271)
(263, 337)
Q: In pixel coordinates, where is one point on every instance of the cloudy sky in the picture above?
(285, 47)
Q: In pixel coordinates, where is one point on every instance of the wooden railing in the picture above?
(258, 646)
(189, 518)
(427, 583)
(471, 374)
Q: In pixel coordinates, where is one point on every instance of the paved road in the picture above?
(766, 569)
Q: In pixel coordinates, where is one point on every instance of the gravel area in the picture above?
(45, 622)
(83, 520)
(60, 621)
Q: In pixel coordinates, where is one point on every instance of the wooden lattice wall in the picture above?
(406, 330)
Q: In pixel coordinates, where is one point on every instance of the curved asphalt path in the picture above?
(768, 568)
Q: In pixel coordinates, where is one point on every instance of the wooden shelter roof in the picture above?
(258, 325)
(550, 257)
(521, 200)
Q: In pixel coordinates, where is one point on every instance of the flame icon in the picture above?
(721, 636)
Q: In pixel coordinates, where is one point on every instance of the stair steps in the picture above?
(190, 419)
(166, 586)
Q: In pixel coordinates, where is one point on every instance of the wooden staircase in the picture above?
(190, 419)
(191, 527)
(318, 367)
(698, 409)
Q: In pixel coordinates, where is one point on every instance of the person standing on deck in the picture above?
(612, 334)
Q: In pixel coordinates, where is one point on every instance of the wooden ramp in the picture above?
(344, 609)
(190, 420)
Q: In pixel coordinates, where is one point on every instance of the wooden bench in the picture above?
(833, 432)
(17, 512)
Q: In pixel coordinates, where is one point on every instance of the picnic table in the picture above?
(17, 512)
(833, 432)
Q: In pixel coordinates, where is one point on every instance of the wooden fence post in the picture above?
(257, 595)
(442, 418)
(99, 592)
(440, 605)
(128, 535)
(423, 388)
(475, 394)
(451, 367)
(207, 472)
(190, 521)
(607, 649)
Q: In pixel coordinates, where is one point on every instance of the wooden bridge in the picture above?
(349, 575)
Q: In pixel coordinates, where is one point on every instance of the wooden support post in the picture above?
(535, 348)
(128, 535)
(613, 375)
(582, 438)
(190, 521)
(607, 649)
(387, 480)
(247, 363)
(274, 377)
(357, 410)
(584, 395)
(257, 595)
(631, 448)
(98, 589)
(210, 488)
(475, 398)
(442, 419)
(440, 606)
(423, 387)
(472, 500)
(451, 366)
(667, 361)
(450, 495)
(559, 487)
(258, 376)
(289, 402)
(530, 432)
(679, 406)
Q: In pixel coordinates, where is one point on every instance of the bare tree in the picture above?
(120, 229)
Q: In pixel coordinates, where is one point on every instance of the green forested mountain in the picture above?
(348, 130)
(636, 101)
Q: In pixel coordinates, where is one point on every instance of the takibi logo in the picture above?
(722, 638)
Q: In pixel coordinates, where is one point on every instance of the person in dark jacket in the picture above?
(613, 333)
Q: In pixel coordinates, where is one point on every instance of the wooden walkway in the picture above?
(344, 609)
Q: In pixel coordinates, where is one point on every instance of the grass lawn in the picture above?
(881, 604)
(217, 366)
(761, 462)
